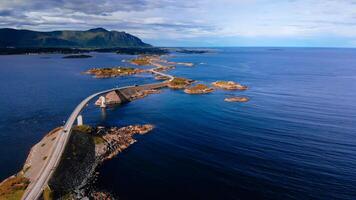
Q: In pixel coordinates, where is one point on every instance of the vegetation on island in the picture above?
(83, 129)
(14, 187)
(143, 60)
(113, 72)
(47, 193)
(198, 89)
(179, 83)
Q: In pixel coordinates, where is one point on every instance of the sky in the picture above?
(204, 23)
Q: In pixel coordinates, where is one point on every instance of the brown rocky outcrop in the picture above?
(198, 89)
(115, 140)
(236, 99)
(113, 72)
(229, 85)
(179, 83)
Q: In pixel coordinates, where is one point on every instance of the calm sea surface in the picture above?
(294, 139)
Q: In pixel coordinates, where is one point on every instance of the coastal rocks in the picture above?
(179, 83)
(77, 164)
(118, 139)
(229, 85)
(111, 98)
(163, 68)
(101, 196)
(159, 77)
(156, 61)
(143, 60)
(113, 72)
(198, 89)
(236, 99)
(118, 96)
(143, 93)
(87, 148)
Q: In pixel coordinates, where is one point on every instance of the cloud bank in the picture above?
(199, 22)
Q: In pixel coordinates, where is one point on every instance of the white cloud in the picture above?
(169, 19)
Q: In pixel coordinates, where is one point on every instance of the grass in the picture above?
(13, 188)
(98, 140)
(141, 61)
(199, 87)
(179, 81)
(83, 129)
(26, 169)
(47, 193)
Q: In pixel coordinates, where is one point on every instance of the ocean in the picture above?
(294, 139)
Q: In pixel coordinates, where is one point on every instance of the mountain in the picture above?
(93, 38)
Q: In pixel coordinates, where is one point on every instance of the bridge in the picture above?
(35, 189)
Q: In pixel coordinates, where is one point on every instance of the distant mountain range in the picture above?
(93, 38)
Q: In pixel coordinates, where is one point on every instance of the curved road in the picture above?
(34, 190)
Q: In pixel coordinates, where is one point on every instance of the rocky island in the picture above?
(143, 60)
(236, 99)
(113, 72)
(199, 89)
(180, 83)
(153, 60)
(229, 85)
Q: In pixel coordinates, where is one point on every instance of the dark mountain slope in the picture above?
(93, 38)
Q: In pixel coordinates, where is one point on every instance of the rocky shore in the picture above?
(108, 143)
(86, 150)
(143, 93)
(115, 140)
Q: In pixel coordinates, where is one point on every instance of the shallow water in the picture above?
(294, 139)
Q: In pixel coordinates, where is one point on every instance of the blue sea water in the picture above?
(294, 139)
